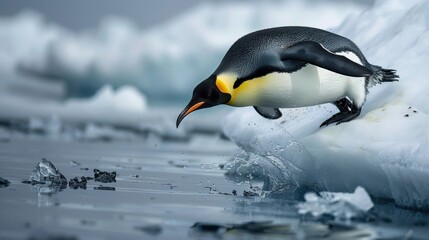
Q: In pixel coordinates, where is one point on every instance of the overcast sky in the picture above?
(86, 14)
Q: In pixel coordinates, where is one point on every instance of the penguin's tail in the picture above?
(381, 75)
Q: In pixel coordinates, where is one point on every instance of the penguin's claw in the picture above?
(335, 119)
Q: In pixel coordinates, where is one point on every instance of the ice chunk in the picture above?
(340, 205)
(46, 172)
(75, 183)
(359, 198)
(104, 177)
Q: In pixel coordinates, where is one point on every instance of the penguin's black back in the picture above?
(260, 48)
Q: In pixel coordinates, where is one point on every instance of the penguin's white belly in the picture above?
(308, 86)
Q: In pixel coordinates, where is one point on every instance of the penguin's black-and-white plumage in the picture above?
(289, 67)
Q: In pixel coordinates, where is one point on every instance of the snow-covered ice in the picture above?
(385, 149)
(339, 205)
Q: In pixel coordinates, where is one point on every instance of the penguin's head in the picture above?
(208, 93)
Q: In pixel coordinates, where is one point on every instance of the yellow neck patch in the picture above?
(249, 92)
(225, 82)
(221, 85)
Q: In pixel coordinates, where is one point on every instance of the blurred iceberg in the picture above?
(384, 150)
(124, 106)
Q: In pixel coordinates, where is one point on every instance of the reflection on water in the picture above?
(271, 230)
(47, 199)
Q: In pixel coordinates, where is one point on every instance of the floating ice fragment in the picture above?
(46, 172)
(339, 205)
(359, 198)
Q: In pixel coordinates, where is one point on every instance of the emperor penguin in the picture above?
(291, 67)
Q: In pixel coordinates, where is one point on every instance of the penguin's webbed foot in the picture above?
(347, 113)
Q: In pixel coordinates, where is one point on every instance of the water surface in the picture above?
(163, 188)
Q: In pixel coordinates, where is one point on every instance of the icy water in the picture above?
(164, 190)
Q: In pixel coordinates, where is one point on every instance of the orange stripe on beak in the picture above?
(193, 108)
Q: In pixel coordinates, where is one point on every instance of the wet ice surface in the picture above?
(165, 190)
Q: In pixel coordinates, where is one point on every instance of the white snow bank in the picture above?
(340, 205)
(384, 150)
(166, 61)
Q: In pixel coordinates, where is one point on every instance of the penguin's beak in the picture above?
(188, 109)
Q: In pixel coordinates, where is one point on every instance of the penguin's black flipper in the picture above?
(314, 53)
(269, 112)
